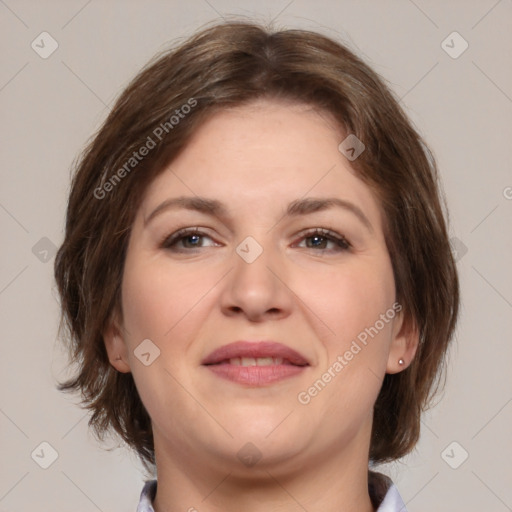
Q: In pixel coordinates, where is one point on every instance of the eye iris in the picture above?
(317, 240)
(196, 238)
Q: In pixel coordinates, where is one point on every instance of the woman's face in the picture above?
(292, 254)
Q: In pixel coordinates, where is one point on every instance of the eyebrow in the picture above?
(298, 207)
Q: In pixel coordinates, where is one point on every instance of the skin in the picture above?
(305, 292)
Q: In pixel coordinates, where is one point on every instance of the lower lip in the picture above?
(255, 375)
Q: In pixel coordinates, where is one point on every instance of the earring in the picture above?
(401, 361)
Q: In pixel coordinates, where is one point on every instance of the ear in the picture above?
(115, 345)
(404, 343)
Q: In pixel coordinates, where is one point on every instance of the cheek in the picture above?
(350, 298)
(350, 301)
(157, 301)
(156, 298)
(357, 305)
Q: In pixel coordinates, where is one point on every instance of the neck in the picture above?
(331, 482)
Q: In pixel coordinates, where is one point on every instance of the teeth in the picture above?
(265, 361)
(258, 361)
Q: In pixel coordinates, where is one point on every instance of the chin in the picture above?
(263, 422)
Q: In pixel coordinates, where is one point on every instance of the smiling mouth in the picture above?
(254, 375)
(255, 364)
(256, 361)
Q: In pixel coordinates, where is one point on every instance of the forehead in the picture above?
(263, 155)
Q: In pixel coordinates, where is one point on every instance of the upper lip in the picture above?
(255, 349)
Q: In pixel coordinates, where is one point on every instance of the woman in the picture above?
(256, 276)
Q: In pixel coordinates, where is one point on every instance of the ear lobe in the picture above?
(116, 347)
(404, 344)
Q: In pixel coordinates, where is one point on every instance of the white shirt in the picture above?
(383, 494)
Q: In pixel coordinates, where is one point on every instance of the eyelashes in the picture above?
(191, 239)
(325, 235)
(171, 241)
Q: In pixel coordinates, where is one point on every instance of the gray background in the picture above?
(50, 107)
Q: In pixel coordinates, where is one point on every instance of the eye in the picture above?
(320, 238)
(187, 238)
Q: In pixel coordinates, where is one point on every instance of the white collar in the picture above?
(384, 493)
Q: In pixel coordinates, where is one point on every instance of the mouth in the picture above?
(255, 363)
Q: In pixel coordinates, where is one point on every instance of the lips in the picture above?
(256, 353)
(255, 363)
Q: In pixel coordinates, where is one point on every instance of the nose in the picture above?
(257, 290)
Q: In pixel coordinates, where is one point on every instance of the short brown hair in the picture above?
(228, 65)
